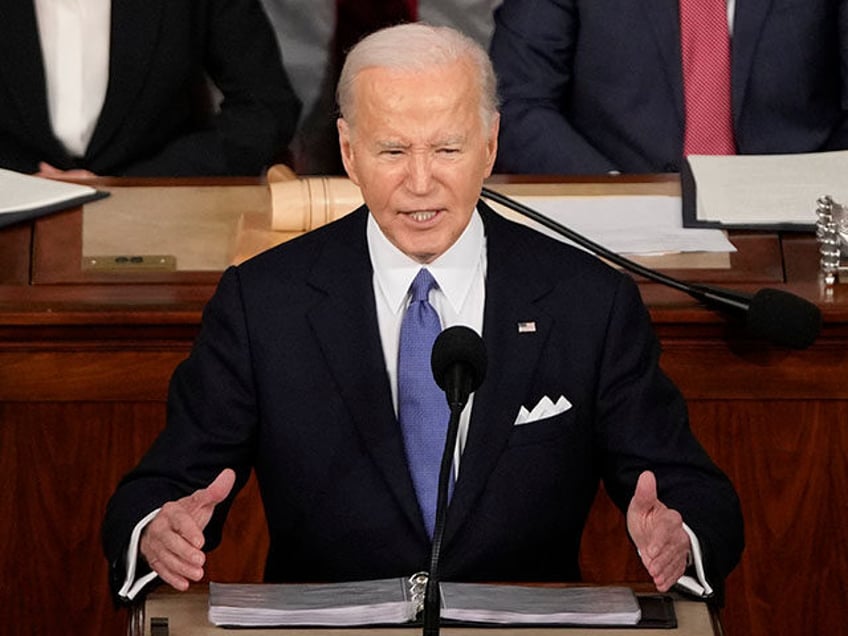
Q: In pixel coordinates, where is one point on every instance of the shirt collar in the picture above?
(455, 270)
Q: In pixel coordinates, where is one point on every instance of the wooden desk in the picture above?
(187, 616)
(85, 359)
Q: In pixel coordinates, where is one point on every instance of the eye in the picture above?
(448, 150)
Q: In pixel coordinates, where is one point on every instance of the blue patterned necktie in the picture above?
(422, 406)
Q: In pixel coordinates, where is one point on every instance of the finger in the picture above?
(175, 571)
(177, 548)
(47, 168)
(668, 564)
(78, 173)
(183, 520)
(667, 561)
(667, 535)
(169, 554)
(174, 531)
(668, 575)
(175, 574)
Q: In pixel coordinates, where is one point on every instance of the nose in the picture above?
(419, 173)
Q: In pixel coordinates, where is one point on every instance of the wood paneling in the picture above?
(15, 244)
(59, 463)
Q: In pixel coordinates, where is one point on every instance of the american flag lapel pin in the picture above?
(528, 326)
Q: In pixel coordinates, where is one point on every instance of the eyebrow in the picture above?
(394, 145)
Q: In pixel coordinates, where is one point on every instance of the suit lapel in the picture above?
(135, 33)
(346, 327)
(664, 17)
(23, 69)
(513, 287)
(747, 25)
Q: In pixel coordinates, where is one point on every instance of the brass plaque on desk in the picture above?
(131, 263)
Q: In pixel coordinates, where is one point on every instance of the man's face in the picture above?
(418, 150)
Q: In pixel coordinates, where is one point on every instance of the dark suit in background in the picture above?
(149, 123)
(590, 86)
(288, 377)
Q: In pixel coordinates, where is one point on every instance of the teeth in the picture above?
(423, 216)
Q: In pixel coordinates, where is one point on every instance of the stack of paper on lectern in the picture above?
(339, 604)
(24, 197)
(481, 603)
(399, 601)
(777, 192)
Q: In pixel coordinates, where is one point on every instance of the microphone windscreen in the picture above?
(784, 318)
(459, 345)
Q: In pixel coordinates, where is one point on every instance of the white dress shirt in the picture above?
(459, 300)
(75, 38)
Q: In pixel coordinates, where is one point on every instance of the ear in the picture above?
(492, 143)
(347, 149)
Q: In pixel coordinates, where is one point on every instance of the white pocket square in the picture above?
(544, 409)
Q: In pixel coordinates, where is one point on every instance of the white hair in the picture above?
(416, 46)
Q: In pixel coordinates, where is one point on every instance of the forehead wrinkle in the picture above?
(374, 97)
(391, 144)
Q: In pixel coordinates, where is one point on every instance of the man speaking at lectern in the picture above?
(305, 370)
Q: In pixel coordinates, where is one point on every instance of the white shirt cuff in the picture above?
(700, 586)
(131, 587)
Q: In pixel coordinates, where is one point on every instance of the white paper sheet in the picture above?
(631, 224)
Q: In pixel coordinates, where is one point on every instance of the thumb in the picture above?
(645, 496)
(201, 503)
(218, 490)
(641, 508)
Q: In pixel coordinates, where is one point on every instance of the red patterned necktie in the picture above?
(705, 49)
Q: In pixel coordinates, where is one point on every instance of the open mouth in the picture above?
(422, 216)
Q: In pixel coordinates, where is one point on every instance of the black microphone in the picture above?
(458, 361)
(775, 315)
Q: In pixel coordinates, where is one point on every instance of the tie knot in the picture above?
(422, 285)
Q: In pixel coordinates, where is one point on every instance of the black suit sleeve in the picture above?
(209, 428)
(645, 426)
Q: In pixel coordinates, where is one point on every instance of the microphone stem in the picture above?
(432, 600)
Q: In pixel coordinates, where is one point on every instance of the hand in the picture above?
(46, 170)
(658, 534)
(171, 543)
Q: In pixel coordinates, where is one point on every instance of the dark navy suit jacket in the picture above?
(288, 377)
(590, 86)
(159, 50)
